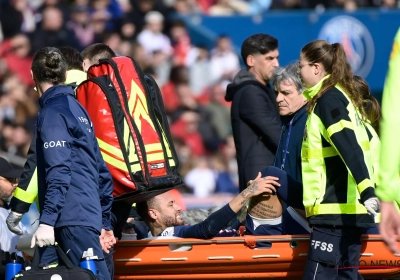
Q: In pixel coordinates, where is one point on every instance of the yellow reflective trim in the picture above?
(340, 125)
(334, 208)
(365, 145)
(377, 218)
(138, 102)
(171, 162)
(329, 152)
(153, 147)
(109, 148)
(165, 141)
(114, 162)
(30, 194)
(119, 164)
(366, 183)
(318, 153)
(25, 196)
(155, 156)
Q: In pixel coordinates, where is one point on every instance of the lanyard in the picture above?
(286, 151)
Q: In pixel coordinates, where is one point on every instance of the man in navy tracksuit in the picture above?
(74, 184)
(271, 215)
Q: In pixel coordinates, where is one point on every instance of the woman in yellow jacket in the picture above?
(337, 167)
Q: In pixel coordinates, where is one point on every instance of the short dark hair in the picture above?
(96, 52)
(73, 58)
(49, 66)
(142, 208)
(258, 44)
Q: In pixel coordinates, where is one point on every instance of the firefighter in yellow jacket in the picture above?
(389, 167)
(337, 170)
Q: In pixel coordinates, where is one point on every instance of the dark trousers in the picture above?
(74, 240)
(119, 214)
(334, 253)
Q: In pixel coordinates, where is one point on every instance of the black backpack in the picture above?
(67, 272)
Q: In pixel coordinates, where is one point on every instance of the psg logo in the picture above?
(355, 39)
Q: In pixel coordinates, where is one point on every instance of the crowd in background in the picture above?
(192, 78)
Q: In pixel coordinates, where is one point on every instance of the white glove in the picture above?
(44, 236)
(12, 222)
(373, 205)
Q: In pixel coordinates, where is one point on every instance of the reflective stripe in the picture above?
(171, 162)
(30, 193)
(153, 147)
(119, 164)
(334, 208)
(318, 153)
(365, 145)
(155, 157)
(139, 110)
(340, 125)
(377, 218)
(25, 196)
(110, 148)
(366, 183)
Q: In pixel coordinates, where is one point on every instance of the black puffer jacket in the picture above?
(256, 124)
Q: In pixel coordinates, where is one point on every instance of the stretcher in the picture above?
(238, 258)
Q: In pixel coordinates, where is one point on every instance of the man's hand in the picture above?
(389, 226)
(44, 236)
(12, 222)
(107, 240)
(261, 185)
(258, 186)
(373, 205)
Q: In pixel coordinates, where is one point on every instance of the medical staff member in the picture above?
(74, 184)
(338, 188)
(389, 167)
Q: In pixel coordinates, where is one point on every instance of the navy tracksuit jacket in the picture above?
(74, 184)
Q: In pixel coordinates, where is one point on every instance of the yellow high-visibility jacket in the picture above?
(337, 164)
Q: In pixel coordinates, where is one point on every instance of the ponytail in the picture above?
(333, 58)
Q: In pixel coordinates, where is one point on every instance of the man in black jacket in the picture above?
(255, 119)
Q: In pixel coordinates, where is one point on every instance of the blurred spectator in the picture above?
(152, 38)
(81, 25)
(186, 128)
(112, 39)
(229, 8)
(391, 4)
(141, 7)
(16, 16)
(125, 48)
(178, 75)
(220, 111)
(205, 5)
(201, 178)
(188, 103)
(199, 64)
(110, 10)
(52, 31)
(224, 61)
(128, 29)
(223, 180)
(60, 4)
(138, 53)
(16, 54)
(187, 7)
(162, 67)
(180, 43)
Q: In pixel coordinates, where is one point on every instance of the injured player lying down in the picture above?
(163, 216)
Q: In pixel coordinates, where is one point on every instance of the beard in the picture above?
(172, 221)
